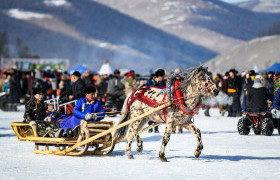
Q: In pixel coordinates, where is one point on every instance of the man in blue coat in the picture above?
(275, 106)
(87, 108)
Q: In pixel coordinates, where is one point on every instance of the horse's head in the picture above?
(204, 84)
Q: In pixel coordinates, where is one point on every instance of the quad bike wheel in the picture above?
(243, 126)
(267, 127)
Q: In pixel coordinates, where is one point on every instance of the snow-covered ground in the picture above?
(226, 155)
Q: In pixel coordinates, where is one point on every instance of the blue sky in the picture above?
(231, 1)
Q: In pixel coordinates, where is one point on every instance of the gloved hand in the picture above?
(274, 111)
(88, 117)
(91, 116)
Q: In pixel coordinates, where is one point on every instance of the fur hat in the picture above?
(160, 72)
(76, 73)
(37, 91)
(89, 89)
(233, 71)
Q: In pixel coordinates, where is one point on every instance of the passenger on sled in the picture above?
(36, 115)
(87, 108)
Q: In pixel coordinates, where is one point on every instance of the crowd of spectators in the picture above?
(16, 86)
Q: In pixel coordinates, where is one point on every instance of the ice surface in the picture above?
(226, 155)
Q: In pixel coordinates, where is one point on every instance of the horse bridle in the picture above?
(202, 84)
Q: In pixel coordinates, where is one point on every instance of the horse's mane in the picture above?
(189, 75)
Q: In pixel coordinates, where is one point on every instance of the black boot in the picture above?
(156, 129)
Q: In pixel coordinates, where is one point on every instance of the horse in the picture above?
(192, 85)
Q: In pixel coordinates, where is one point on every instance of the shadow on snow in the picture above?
(7, 135)
(215, 158)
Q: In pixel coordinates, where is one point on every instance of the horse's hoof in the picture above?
(139, 149)
(130, 156)
(197, 154)
(162, 158)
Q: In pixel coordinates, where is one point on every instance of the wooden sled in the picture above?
(100, 146)
(95, 138)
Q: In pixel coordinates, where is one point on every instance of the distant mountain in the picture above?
(261, 53)
(213, 24)
(267, 6)
(139, 34)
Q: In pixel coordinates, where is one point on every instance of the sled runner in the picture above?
(95, 138)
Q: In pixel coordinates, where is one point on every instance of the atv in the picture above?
(259, 120)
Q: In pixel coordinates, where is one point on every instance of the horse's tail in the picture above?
(121, 132)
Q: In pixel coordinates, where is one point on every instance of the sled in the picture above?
(95, 138)
(100, 146)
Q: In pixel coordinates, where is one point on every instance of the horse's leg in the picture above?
(132, 133)
(192, 128)
(138, 139)
(165, 140)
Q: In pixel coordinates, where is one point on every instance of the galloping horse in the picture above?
(180, 112)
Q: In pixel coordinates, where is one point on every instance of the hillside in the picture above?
(267, 6)
(263, 52)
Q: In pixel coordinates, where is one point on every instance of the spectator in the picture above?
(102, 84)
(276, 103)
(157, 81)
(88, 78)
(48, 88)
(270, 79)
(130, 82)
(233, 89)
(64, 86)
(247, 84)
(116, 87)
(37, 81)
(14, 91)
(78, 86)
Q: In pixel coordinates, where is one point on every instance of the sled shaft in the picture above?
(115, 128)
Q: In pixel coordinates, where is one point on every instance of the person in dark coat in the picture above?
(37, 81)
(276, 105)
(14, 91)
(156, 81)
(77, 89)
(78, 86)
(247, 84)
(65, 87)
(257, 97)
(233, 89)
(270, 76)
(116, 87)
(35, 114)
(87, 108)
(88, 78)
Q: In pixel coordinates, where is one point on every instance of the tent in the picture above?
(81, 68)
(275, 67)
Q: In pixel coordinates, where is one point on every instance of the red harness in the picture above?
(139, 95)
(178, 99)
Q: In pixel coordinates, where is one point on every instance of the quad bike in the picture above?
(259, 120)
